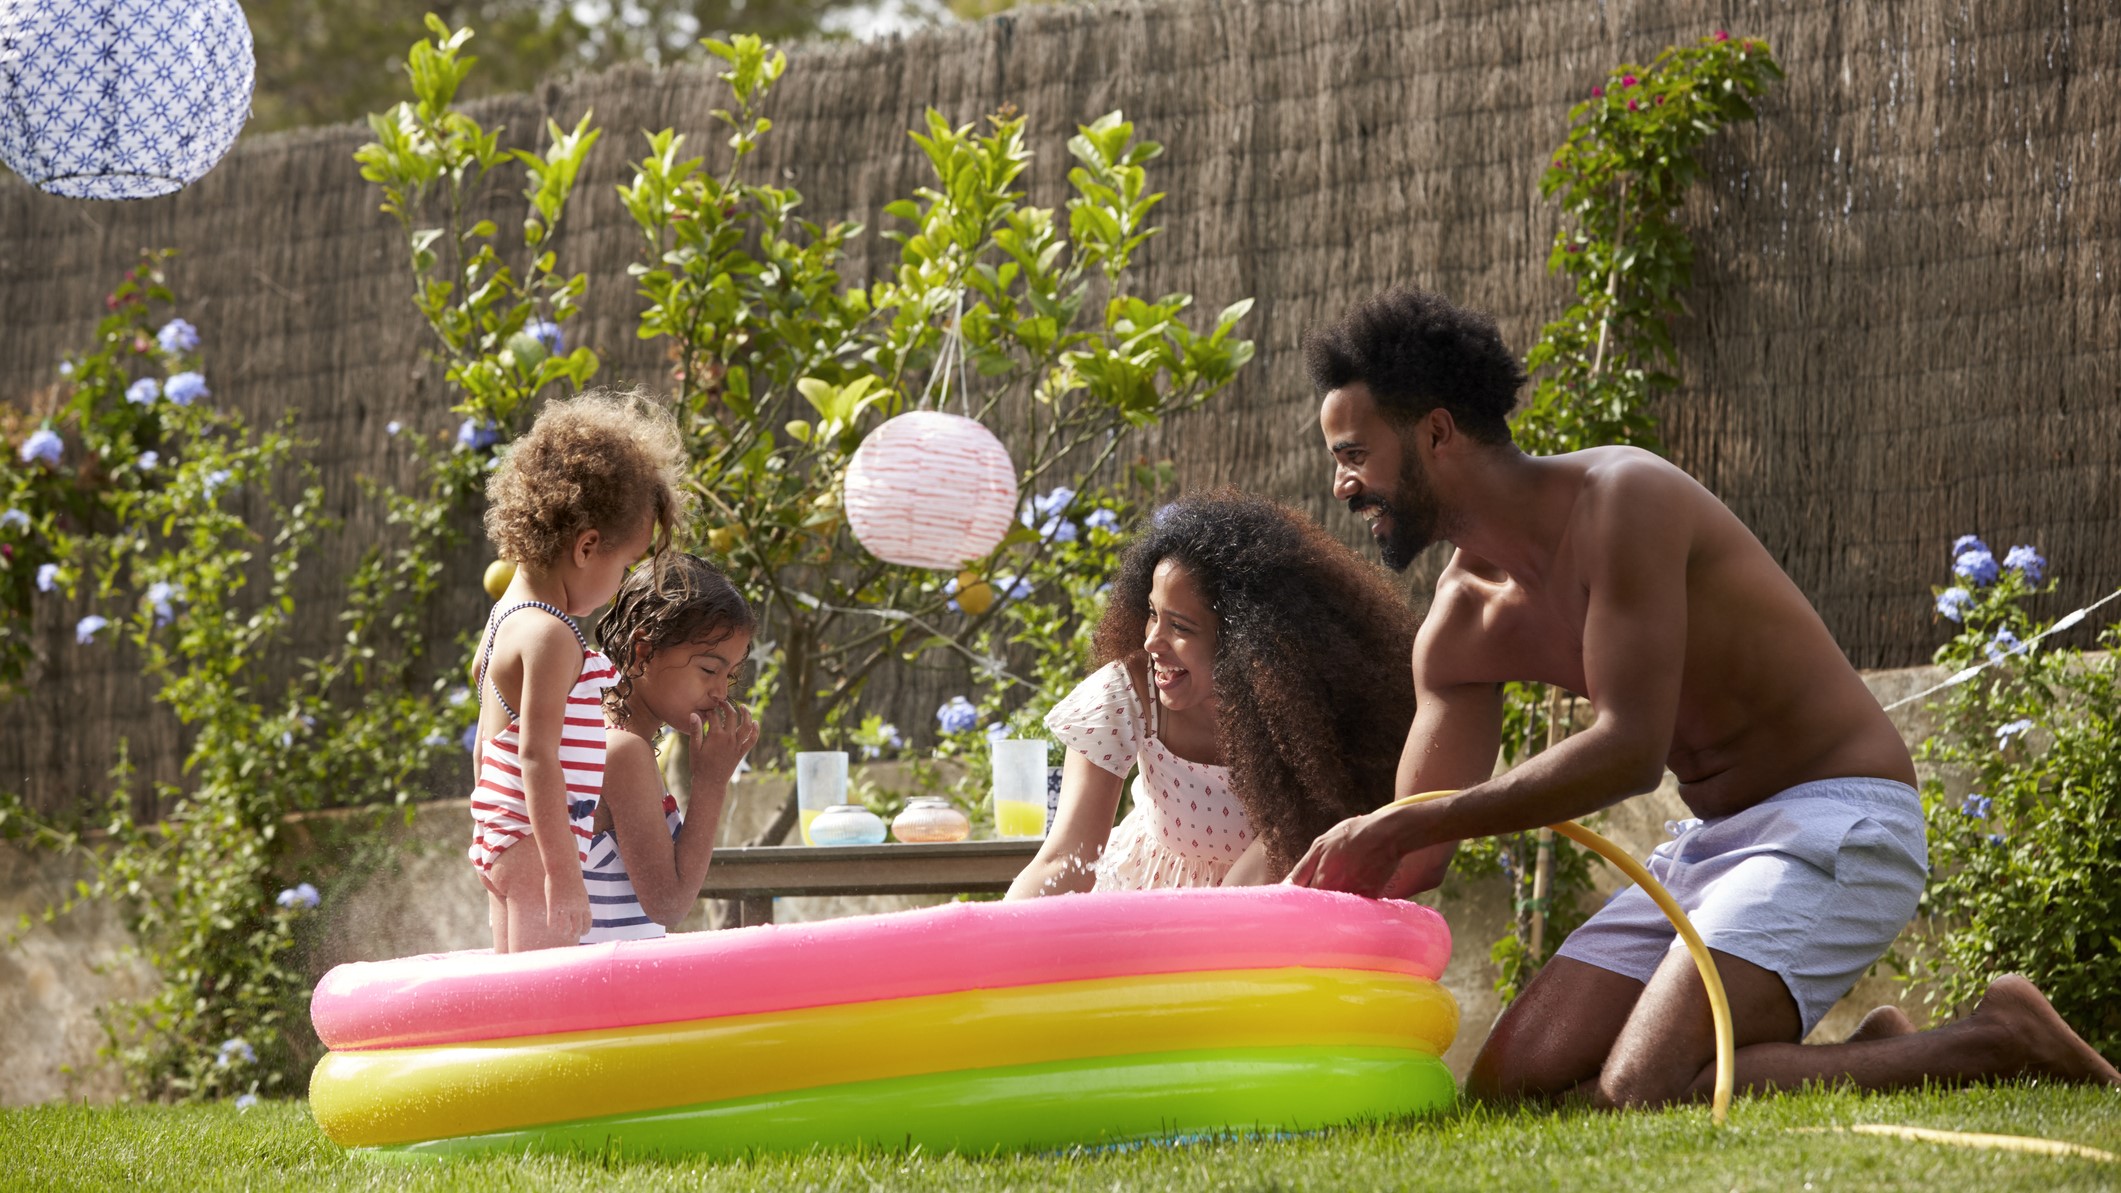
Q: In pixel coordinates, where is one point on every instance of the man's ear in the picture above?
(585, 546)
(1438, 431)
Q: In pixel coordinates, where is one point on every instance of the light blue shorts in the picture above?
(1813, 884)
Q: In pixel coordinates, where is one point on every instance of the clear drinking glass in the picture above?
(820, 783)
(1019, 788)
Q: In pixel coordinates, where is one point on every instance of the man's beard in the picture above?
(1413, 516)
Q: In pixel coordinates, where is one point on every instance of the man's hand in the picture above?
(1381, 855)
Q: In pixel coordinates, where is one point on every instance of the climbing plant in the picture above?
(1621, 176)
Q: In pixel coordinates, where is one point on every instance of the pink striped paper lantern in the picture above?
(930, 490)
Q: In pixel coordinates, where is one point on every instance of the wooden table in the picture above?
(754, 876)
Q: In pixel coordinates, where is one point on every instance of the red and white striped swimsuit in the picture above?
(499, 817)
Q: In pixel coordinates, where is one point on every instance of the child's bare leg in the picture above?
(519, 874)
(497, 919)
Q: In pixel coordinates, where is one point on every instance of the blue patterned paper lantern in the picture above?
(121, 99)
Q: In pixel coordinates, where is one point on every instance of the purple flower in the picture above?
(148, 460)
(85, 629)
(435, 739)
(548, 333)
(470, 739)
(66, 368)
(1976, 806)
(1102, 519)
(459, 696)
(956, 716)
(393, 427)
(160, 594)
(143, 392)
(43, 444)
(15, 518)
(47, 577)
(1053, 501)
(215, 479)
(236, 1049)
(477, 436)
(2003, 645)
(1965, 543)
(2027, 560)
(186, 388)
(1996, 839)
(178, 336)
(996, 731)
(2010, 729)
(1060, 530)
(1976, 567)
(1953, 603)
(302, 897)
(246, 1101)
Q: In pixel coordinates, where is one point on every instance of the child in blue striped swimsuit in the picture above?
(677, 635)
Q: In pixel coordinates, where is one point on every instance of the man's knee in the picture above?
(1629, 1083)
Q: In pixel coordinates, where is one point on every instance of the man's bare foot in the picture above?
(2042, 1044)
(1882, 1023)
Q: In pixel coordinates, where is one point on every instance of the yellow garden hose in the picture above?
(1719, 1006)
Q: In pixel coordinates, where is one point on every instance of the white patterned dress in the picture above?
(1186, 827)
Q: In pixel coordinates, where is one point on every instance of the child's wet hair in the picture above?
(598, 461)
(681, 599)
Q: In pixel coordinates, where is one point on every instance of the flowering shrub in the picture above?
(128, 493)
(1008, 312)
(2025, 865)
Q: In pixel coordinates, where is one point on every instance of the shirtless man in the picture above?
(1611, 573)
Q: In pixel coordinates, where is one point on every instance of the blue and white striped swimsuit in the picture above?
(614, 909)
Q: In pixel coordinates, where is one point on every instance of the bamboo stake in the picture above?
(1543, 867)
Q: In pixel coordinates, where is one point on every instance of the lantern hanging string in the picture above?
(952, 352)
(987, 664)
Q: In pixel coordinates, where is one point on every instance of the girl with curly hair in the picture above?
(587, 492)
(1256, 671)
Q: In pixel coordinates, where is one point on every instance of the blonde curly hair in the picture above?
(598, 461)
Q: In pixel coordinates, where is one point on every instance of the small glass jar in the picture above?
(928, 819)
(847, 824)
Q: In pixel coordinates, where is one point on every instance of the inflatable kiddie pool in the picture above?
(974, 1027)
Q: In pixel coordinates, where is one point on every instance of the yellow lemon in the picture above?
(974, 595)
(498, 574)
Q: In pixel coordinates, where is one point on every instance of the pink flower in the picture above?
(1597, 93)
(1632, 105)
(1722, 36)
(1660, 99)
(1628, 80)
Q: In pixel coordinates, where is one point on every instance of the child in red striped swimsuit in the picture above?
(585, 494)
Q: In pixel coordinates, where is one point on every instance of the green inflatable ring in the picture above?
(1096, 1101)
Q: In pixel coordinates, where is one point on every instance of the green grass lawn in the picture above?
(275, 1145)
